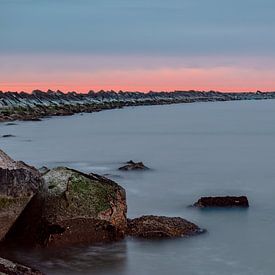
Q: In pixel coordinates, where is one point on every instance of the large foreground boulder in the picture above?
(228, 201)
(72, 208)
(11, 268)
(18, 183)
(150, 227)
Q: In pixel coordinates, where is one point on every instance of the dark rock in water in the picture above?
(151, 227)
(11, 268)
(10, 124)
(131, 165)
(18, 183)
(228, 201)
(7, 136)
(43, 170)
(72, 208)
(113, 176)
(31, 119)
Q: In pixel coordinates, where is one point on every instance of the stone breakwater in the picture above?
(38, 104)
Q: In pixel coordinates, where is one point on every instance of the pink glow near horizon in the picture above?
(78, 75)
(142, 80)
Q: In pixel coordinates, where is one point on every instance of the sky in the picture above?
(137, 45)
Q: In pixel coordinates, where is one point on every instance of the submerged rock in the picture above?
(10, 124)
(7, 136)
(18, 183)
(43, 170)
(11, 268)
(30, 118)
(228, 201)
(131, 165)
(150, 227)
(72, 208)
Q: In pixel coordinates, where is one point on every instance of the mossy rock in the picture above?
(9, 202)
(18, 183)
(79, 194)
(10, 209)
(70, 202)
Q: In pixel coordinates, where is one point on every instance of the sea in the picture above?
(192, 150)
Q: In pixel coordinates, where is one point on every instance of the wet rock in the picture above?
(131, 165)
(43, 170)
(227, 201)
(18, 183)
(72, 208)
(10, 124)
(11, 268)
(151, 227)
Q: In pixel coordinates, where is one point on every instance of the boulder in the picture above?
(11, 268)
(131, 165)
(228, 201)
(151, 227)
(71, 208)
(18, 183)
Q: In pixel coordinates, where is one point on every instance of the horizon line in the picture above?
(131, 91)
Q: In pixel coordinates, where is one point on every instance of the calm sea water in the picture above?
(223, 148)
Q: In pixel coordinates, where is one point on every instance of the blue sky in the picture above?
(171, 34)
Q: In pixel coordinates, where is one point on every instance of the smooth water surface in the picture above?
(220, 148)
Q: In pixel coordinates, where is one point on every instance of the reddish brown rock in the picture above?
(71, 208)
(228, 201)
(18, 183)
(150, 227)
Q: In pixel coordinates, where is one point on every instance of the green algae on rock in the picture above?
(72, 208)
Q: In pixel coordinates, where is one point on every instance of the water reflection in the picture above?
(99, 259)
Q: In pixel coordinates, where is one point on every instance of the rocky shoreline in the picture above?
(61, 207)
(39, 104)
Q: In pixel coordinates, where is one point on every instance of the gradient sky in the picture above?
(137, 45)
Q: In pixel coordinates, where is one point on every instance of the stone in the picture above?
(151, 227)
(131, 165)
(11, 268)
(11, 124)
(38, 104)
(43, 170)
(18, 183)
(227, 201)
(71, 208)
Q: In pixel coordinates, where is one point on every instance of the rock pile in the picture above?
(61, 207)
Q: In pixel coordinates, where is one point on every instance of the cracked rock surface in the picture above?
(151, 227)
(18, 183)
(72, 208)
